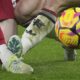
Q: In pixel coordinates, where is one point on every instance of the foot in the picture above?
(15, 46)
(17, 66)
(13, 64)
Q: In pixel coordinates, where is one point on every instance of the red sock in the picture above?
(2, 40)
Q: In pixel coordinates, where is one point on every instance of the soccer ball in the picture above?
(67, 27)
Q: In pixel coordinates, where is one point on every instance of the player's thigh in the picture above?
(9, 28)
(28, 7)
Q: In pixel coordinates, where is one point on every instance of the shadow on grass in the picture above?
(45, 63)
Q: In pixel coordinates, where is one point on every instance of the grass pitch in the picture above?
(47, 59)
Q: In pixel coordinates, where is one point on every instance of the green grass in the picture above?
(47, 59)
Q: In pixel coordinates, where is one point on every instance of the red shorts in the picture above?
(6, 9)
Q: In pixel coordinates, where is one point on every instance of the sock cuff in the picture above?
(49, 14)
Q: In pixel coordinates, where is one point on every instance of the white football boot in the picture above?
(11, 63)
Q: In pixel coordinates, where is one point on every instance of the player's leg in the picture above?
(26, 9)
(10, 61)
(37, 30)
(9, 28)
